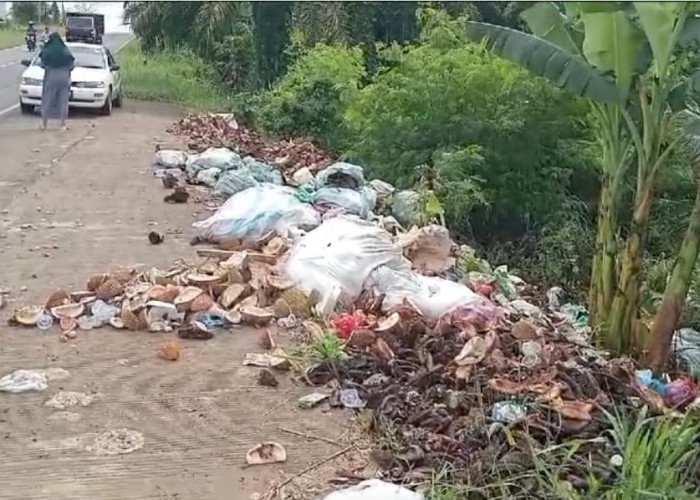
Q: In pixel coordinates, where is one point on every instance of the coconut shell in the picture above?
(117, 323)
(122, 276)
(279, 283)
(251, 301)
(57, 298)
(68, 311)
(202, 303)
(109, 289)
(389, 324)
(275, 247)
(169, 351)
(163, 293)
(204, 279)
(255, 315)
(95, 281)
(231, 295)
(298, 302)
(186, 296)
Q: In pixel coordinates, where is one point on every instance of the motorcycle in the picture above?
(31, 42)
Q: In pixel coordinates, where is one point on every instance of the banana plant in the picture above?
(676, 291)
(619, 56)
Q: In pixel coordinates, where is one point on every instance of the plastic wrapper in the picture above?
(350, 201)
(342, 252)
(251, 214)
(686, 347)
(434, 297)
(341, 175)
(406, 208)
(221, 158)
(170, 158)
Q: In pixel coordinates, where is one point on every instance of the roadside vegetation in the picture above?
(11, 36)
(580, 174)
(173, 76)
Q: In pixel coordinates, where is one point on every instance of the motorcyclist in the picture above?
(45, 35)
(30, 34)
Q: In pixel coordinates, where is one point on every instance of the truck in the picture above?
(83, 27)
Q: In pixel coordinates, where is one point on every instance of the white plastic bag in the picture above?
(208, 176)
(234, 181)
(406, 208)
(433, 296)
(382, 189)
(351, 201)
(221, 158)
(342, 252)
(375, 489)
(254, 212)
(341, 174)
(24, 381)
(170, 158)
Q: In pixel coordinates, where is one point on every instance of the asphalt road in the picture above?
(11, 70)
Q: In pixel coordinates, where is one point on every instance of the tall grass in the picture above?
(178, 77)
(11, 37)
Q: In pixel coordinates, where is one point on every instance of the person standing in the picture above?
(58, 63)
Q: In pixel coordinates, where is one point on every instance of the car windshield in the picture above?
(80, 22)
(85, 57)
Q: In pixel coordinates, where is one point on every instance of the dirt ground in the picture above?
(83, 201)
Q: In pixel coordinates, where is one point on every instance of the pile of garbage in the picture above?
(221, 130)
(221, 290)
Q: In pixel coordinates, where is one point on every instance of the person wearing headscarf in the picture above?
(58, 63)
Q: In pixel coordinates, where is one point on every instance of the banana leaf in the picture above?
(570, 72)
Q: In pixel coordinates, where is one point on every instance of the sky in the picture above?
(112, 10)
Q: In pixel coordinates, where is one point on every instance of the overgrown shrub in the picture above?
(235, 59)
(311, 97)
(447, 95)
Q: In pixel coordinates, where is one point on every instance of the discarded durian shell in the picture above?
(95, 281)
(79, 296)
(187, 296)
(231, 295)
(389, 324)
(204, 279)
(131, 321)
(122, 275)
(68, 311)
(57, 298)
(138, 288)
(109, 289)
(275, 247)
(68, 324)
(251, 301)
(255, 315)
(202, 303)
(233, 317)
(88, 300)
(116, 322)
(209, 268)
(279, 283)
(28, 315)
(163, 293)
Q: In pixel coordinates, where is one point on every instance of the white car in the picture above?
(95, 81)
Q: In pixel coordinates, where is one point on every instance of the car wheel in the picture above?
(107, 108)
(27, 109)
(119, 99)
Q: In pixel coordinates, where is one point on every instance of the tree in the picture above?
(23, 12)
(55, 13)
(618, 55)
(271, 23)
(84, 7)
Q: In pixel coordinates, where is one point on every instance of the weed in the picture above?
(329, 347)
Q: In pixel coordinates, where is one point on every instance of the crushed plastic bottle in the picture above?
(508, 412)
(350, 398)
(102, 313)
(45, 321)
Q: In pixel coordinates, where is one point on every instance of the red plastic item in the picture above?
(680, 393)
(346, 323)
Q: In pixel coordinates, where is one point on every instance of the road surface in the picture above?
(11, 69)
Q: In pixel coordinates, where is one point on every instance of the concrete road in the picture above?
(11, 69)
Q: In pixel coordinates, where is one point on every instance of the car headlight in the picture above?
(32, 81)
(89, 85)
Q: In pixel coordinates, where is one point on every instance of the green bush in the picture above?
(437, 100)
(310, 99)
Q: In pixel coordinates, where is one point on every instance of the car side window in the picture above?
(110, 59)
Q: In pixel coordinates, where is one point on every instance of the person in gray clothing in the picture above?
(58, 63)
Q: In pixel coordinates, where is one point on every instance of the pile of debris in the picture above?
(223, 289)
(222, 131)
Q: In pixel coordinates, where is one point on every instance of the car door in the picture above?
(116, 74)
